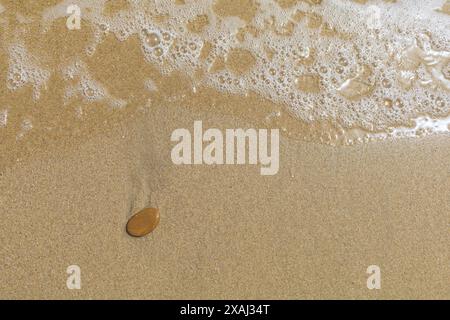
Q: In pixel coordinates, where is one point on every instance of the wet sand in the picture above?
(227, 232)
(94, 148)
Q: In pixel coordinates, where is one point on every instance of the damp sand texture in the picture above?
(86, 117)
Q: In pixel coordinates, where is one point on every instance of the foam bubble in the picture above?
(365, 67)
(86, 87)
(23, 69)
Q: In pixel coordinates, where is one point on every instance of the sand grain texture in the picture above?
(86, 118)
(309, 232)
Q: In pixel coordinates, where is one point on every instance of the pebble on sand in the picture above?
(143, 222)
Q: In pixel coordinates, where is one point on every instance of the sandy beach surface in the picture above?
(87, 114)
(227, 232)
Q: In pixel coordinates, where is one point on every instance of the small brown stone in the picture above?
(143, 222)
